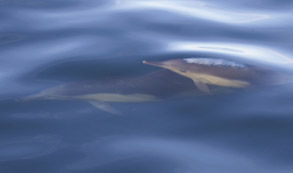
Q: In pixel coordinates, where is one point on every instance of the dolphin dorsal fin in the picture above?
(201, 86)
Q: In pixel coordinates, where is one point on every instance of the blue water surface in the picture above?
(50, 42)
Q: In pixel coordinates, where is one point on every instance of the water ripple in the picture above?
(250, 52)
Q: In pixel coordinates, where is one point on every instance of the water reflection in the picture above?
(184, 156)
(250, 52)
(198, 10)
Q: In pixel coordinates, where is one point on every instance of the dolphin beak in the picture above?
(158, 64)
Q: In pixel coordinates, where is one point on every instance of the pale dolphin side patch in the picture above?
(213, 62)
(219, 81)
(111, 97)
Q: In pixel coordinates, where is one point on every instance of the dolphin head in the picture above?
(175, 65)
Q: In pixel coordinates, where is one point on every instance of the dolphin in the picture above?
(149, 87)
(220, 72)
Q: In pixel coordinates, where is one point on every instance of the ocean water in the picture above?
(49, 43)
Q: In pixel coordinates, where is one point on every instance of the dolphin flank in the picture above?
(219, 72)
(150, 87)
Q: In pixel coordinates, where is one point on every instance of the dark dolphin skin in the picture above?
(154, 86)
(223, 73)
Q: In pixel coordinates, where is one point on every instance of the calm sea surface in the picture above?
(46, 43)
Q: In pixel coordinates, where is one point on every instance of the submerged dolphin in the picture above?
(220, 72)
(146, 88)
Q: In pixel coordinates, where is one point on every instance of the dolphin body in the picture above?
(221, 72)
(150, 87)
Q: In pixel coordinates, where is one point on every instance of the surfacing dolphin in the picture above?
(150, 87)
(221, 72)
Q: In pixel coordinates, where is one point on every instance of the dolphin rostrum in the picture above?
(150, 87)
(218, 72)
